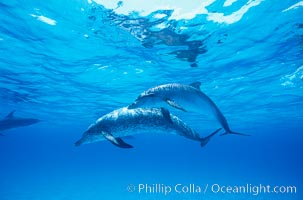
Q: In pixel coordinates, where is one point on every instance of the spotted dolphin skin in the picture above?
(10, 121)
(183, 97)
(125, 122)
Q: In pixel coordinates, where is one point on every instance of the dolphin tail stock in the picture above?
(205, 140)
(234, 133)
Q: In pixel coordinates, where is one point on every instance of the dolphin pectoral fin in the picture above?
(166, 115)
(196, 85)
(116, 141)
(175, 105)
(235, 133)
(205, 140)
(122, 144)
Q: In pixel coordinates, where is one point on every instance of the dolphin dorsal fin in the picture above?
(11, 114)
(196, 85)
(166, 115)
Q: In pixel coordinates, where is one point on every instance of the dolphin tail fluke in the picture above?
(205, 140)
(235, 133)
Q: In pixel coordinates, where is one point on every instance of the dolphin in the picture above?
(182, 97)
(10, 121)
(125, 122)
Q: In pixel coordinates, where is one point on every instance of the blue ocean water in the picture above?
(70, 62)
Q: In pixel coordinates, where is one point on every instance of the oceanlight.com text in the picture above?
(166, 189)
(253, 189)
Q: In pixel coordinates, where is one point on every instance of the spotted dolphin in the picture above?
(10, 121)
(124, 122)
(182, 97)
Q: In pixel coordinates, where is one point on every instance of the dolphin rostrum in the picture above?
(10, 121)
(182, 97)
(125, 122)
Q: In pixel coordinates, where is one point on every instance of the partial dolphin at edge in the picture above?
(10, 121)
